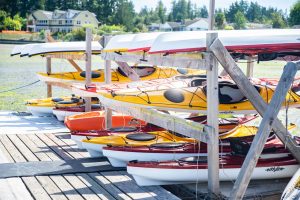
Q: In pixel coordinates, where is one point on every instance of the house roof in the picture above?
(62, 14)
(174, 24)
(189, 22)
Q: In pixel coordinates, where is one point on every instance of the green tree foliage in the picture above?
(161, 12)
(11, 24)
(294, 18)
(2, 18)
(277, 20)
(240, 20)
(220, 20)
(125, 14)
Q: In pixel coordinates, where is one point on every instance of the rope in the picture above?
(23, 86)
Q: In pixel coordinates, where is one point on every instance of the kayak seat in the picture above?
(95, 106)
(202, 76)
(229, 93)
(197, 82)
(57, 99)
(141, 137)
(174, 95)
(93, 73)
(167, 145)
(75, 100)
(194, 159)
(142, 71)
(66, 102)
(296, 89)
(182, 71)
(94, 99)
(239, 147)
(123, 129)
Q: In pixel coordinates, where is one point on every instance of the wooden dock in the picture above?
(40, 147)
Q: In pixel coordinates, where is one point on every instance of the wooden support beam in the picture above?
(211, 17)
(251, 93)
(88, 66)
(164, 120)
(107, 77)
(212, 119)
(74, 64)
(250, 67)
(48, 38)
(263, 132)
(128, 71)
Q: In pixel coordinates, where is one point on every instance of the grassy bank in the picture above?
(20, 35)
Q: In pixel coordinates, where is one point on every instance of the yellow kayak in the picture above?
(44, 107)
(138, 139)
(191, 99)
(117, 75)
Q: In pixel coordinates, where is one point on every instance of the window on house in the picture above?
(78, 22)
(60, 22)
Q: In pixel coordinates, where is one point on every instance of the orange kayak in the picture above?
(96, 121)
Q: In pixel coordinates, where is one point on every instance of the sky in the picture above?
(281, 4)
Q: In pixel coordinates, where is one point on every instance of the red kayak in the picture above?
(192, 169)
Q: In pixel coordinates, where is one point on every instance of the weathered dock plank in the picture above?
(81, 188)
(66, 188)
(109, 186)
(13, 151)
(51, 188)
(95, 187)
(29, 156)
(13, 189)
(43, 147)
(35, 188)
(128, 186)
(57, 149)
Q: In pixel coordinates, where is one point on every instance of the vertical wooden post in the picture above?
(250, 66)
(211, 15)
(48, 65)
(107, 72)
(88, 66)
(212, 119)
(261, 137)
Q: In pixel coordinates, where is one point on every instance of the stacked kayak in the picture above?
(193, 98)
(117, 75)
(44, 107)
(238, 139)
(95, 145)
(95, 121)
(62, 112)
(195, 169)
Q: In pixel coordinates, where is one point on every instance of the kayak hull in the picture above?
(95, 150)
(40, 110)
(292, 190)
(62, 114)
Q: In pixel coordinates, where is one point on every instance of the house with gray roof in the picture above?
(60, 20)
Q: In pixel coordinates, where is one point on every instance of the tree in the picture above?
(2, 18)
(161, 12)
(220, 20)
(125, 14)
(11, 24)
(241, 6)
(277, 20)
(239, 20)
(294, 18)
(203, 12)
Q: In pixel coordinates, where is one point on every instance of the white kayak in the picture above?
(193, 169)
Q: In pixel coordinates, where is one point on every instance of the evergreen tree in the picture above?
(294, 18)
(161, 12)
(220, 20)
(239, 20)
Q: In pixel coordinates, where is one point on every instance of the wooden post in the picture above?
(212, 119)
(251, 93)
(88, 66)
(261, 137)
(74, 64)
(211, 15)
(250, 67)
(48, 64)
(107, 72)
